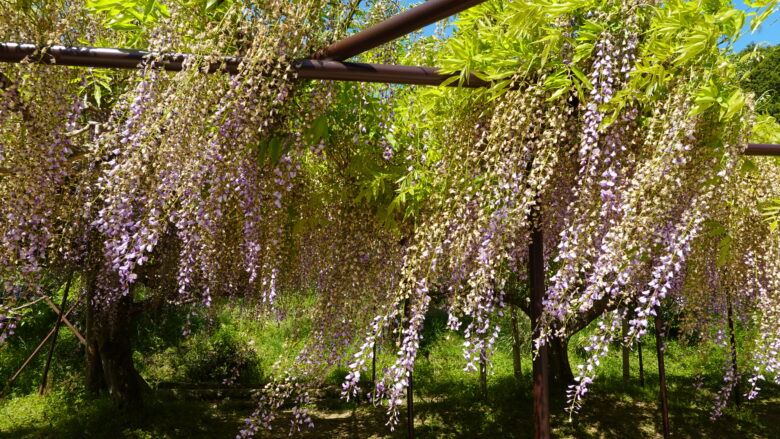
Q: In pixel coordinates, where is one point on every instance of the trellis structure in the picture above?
(330, 64)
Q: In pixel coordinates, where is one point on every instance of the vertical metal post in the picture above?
(641, 364)
(659, 347)
(734, 369)
(625, 352)
(482, 378)
(57, 324)
(518, 370)
(410, 407)
(541, 392)
(373, 368)
(410, 388)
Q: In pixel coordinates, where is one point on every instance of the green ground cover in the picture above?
(448, 403)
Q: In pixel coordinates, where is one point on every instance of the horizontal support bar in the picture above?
(762, 149)
(386, 73)
(418, 17)
(306, 69)
(103, 57)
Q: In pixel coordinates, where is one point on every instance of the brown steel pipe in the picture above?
(397, 26)
(762, 149)
(105, 57)
(343, 71)
(306, 69)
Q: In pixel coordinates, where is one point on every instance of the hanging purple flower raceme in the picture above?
(38, 166)
(597, 348)
(576, 243)
(130, 221)
(727, 388)
(396, 379)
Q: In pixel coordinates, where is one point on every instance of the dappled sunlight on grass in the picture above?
(447, 399)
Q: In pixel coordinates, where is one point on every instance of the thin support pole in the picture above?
(659, 347)
(57, 324)
(373, 367)
(66, 321)
(410, 407)
(734, 369)
(36, 351)
(27, 305)
(410, 387)
(482, 377)
(625, 352)
(641, 364)
(516, 343)
(541, 391)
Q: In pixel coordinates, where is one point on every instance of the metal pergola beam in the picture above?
(422, 15)
(306, 69)
(385, 73)
(762, 149)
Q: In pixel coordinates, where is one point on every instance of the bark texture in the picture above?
(109, 350)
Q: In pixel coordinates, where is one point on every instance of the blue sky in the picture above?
(769, 32)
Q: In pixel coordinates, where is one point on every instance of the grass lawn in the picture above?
(447, 401)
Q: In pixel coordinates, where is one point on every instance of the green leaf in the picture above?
(558, 93)
(98, 95)
(581, 76)
(734, 104)
(714, 228)
(770, 9)
(275, 150)
(317, 131)
(706, 97)
(748, 166)
(724, 250)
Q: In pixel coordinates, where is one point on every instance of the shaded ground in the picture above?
(608, 413)
(446, 403)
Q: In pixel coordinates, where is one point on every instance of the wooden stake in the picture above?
(410, 407)
(373, 368)
(410, 388)
(516, 343)
(66, 321)
(626, 351)
(641, 364)
(662, 375)
(57, 324)
(734, 369)
(482, 378)
(36, 351)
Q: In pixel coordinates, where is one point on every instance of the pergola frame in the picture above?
(329, 64)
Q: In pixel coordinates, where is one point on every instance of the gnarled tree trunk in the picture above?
(109, 351)
(560, 369)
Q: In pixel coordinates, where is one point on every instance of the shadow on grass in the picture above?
(613, 410)
(64, 416)
(445, 409)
